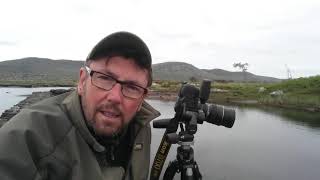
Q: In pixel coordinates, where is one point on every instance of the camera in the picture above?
(191, 109)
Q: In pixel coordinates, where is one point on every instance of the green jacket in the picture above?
(50, 140)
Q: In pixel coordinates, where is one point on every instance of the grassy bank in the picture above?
(298, 93)
(302, 93)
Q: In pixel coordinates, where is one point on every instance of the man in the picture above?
(99, 131)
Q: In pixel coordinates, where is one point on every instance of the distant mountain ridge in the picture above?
(184, 71)
(33, 68)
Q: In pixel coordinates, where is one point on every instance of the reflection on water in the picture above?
(303, 118)
(265, 143)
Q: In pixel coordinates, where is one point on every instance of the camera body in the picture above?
(191, 108)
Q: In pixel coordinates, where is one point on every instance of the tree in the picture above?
(243, 67)
(193, 79)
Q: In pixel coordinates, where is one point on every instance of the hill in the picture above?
(184, 71)
(42, 71)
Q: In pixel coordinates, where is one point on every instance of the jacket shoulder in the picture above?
(42, 124)
(30, 136)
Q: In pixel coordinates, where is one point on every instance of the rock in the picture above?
(216, 90)
(276, 93)
(55, 92)
(261, 89)
(33, 98)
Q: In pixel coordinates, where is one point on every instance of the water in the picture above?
(264, 143)
(10, 96)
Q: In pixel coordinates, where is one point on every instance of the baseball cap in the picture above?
(125, 44)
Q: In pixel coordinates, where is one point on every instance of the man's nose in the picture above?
(115, 93)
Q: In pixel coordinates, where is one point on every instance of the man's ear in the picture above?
(82, 81)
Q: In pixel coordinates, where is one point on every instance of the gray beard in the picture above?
(90, 122)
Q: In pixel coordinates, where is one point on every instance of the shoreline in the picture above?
(298, 94)
(154, 95)
(29, 100)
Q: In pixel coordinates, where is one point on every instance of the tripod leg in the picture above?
(191, 173)
(187, 174)
(196, 171)
(171, 170)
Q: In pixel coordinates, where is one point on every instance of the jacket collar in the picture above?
(146, 114)
(73, 105)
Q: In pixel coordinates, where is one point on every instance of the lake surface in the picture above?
(264, 143)
(10, 96)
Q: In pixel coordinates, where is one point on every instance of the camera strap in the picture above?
(160, 157)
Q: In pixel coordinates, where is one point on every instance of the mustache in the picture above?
(110, 106)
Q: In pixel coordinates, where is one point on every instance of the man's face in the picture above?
(109, 111)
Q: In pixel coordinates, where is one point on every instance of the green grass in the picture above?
(309, 85)
(302, 93)
(166, 86)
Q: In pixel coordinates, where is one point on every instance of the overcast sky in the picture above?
(269, 35)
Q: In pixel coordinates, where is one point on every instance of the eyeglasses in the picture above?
(107, 82)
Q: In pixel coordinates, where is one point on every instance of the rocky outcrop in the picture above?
(33, 98)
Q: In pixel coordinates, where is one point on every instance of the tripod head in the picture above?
(190, 109)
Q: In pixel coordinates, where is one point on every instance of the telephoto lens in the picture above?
(219, 115)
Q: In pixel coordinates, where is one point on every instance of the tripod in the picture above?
(191, 109)
(185, 160)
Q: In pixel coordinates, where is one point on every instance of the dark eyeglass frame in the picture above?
(91, 72)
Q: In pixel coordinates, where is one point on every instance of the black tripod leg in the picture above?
(187, 174)
(171, 170)
(196, 171)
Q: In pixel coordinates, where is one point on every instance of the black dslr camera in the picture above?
(190, 109)
(191, 104)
